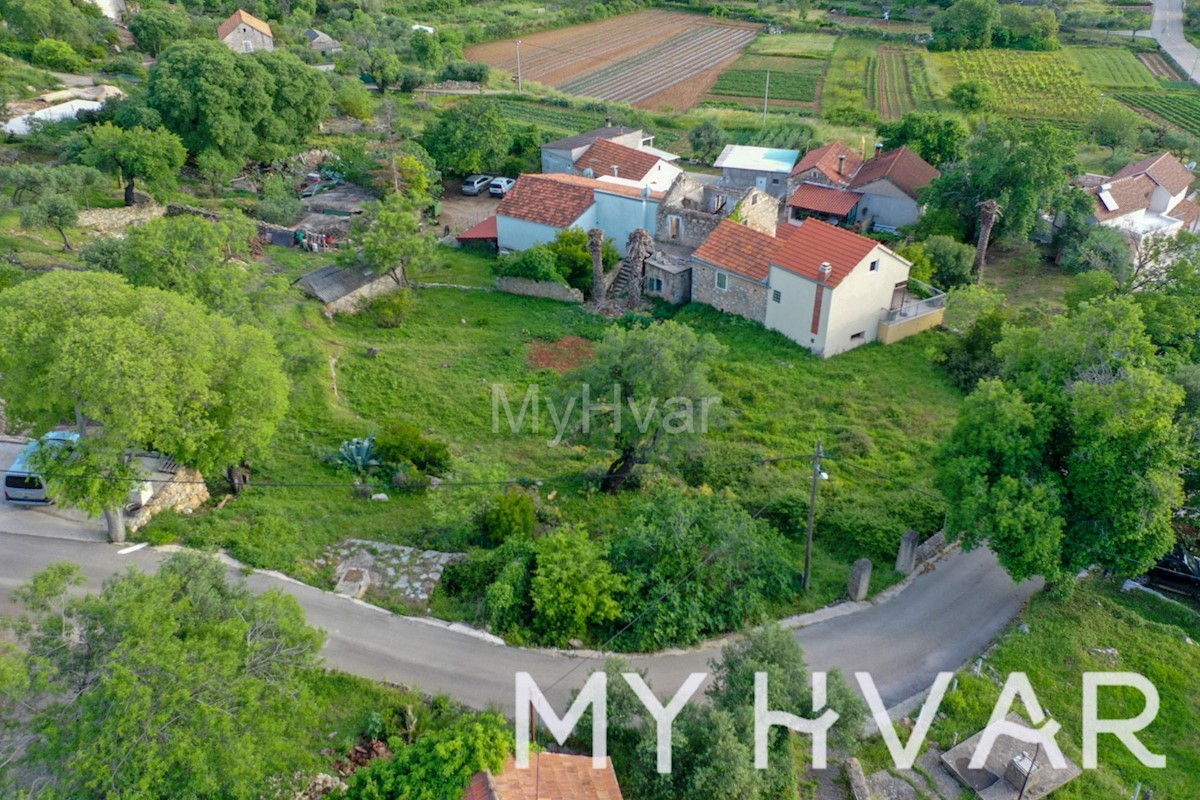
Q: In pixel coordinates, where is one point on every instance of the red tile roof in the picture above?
(739, 249)
(1187, 211)
(482, 230)
(548, 199)
(602, 156)
(1164, 169)
(1128, 194)
(826, 160)
(904, 168)
(553, 776)
(240, 17)
(824, 199)
(803, 248)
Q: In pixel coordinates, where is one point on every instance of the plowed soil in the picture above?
(561, 356)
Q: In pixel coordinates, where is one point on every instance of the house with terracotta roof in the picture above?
(539, 206)
(885, 190)
(824, 287)
(561, 155)
(557, 776)
(609, 159)
(1146, 198)
(244, 33)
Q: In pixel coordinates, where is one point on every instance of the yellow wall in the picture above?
(890, 332)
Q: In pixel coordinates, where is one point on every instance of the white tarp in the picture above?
(23, 125)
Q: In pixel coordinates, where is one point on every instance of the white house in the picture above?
(561, 155)
(823, 287)
(539, 206)
(607, 159)
(763, 168)
(1149, 197)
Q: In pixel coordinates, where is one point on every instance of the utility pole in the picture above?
(766, 94)
(812, 512)
(518, 66)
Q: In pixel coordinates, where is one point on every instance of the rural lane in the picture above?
(939, 622)
(1167, 28)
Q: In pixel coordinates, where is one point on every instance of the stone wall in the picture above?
(186, 491)
(676, 285)
(931, 547)
(547, 289)
(742, 297)
(859, 789)
(759, 211)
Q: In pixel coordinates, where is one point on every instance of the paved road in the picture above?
(938, 623)
(1167, 28)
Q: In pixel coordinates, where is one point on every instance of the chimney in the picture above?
(878, 149)
(841, 164)
(614, 166)
(824, 271)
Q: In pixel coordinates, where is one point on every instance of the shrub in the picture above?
(358, 455)
(514, 515)
(279, 204)
(953, 262)
(536, 264)
(352, 99)
(390, 310)
(851, 116)
(574, 589)
(103, 254)
(57, 55)
(574, 259)
(476, 71)
(401, 442)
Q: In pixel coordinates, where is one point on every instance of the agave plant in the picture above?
(358, 454)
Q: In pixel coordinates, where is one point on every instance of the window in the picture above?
(875, 265)
(775, 181)
(858, 337)
(777, 296)
(675, 224)
(722, 281)
(654, 284)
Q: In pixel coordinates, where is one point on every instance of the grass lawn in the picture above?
(846, 79)
(803, 45)
(1026, 277)
(880, 413)
(1114, 67)
(1069, 637)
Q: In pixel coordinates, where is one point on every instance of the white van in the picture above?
(21, 484)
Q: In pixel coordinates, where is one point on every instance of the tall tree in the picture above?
(390, 237)
(178, 684)
(937, 138)
(57, 211)
(966, 25)
(133, 368)
(153, 156)
(157, 27)
(470, 137)
(647, 394)
(1072, 457)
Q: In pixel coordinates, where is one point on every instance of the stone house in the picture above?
(554, 776)
(690, 211)
(345, 291)
(1145, 198)
(539, 206)
(245, 33)
(763, 168)
(831, 165)
(322, 42)
(824, 287)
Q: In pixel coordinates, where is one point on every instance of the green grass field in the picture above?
(1112, 67)
(846, 81)
(803, 45)
(1028, 85)
(797, 79)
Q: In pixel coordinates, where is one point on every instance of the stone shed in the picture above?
(345, 291)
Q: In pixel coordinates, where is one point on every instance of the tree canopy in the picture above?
(153, 156)
(1072, 456)
(133, 368)
(177, 684)
(470, 137)
(937, 138)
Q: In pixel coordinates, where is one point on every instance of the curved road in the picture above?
(1167, 28)
(939, 622)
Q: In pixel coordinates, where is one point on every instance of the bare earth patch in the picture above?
(561, 356)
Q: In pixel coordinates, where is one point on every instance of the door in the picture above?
(761, 182)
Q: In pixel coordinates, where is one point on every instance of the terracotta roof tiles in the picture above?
(824, 199)
(738, 249)
(547, 200)
(805, 247)
(904, 168)
(826, 160)
(602, 156)
(557, 776)
(1164, 169)
(1128, 194)
(241, 17)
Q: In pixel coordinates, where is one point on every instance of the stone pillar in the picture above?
(860, 579)
(906, 559)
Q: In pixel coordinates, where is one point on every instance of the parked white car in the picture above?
(500, 186)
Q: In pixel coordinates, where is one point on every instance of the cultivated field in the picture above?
(901, 84)
(1159, 67)
(798, 45)
(1028, 85)
(1112, 67)
(648, 59)
(1178, 108)
(797, 79)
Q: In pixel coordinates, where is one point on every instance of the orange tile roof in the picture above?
(1164, 169)
(823, 199)
(904, 168)
(553, 776)
(826, 160)
(602, 156)
(547, 199)
(1187, 211)
(481, 230)
(741, 250)
(1130, 193)
(238, 18)
(803, 248)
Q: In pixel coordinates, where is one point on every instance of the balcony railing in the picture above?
(930, 300)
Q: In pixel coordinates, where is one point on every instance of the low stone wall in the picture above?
(547, 289)
(931, 547)
(859, 789)
(186, 491)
